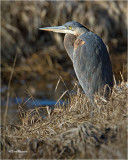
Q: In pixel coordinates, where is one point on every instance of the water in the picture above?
(28, 103)
(30, 95)
(38, 92)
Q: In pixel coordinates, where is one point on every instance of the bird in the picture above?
(90, 58)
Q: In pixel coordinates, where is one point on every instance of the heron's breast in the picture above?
(78, 42)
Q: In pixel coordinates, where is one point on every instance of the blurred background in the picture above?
(41, 57)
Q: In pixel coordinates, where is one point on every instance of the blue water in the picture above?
(25, 102)
(12, 113)
(33, 103)
(38, 102)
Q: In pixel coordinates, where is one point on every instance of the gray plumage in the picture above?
(89, 56)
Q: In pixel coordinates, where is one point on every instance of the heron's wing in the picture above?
(91, 62)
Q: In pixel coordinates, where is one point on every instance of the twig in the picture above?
(61, 96)
(8, 92)
(8, 95)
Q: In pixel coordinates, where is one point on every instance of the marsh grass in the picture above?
(67, 132)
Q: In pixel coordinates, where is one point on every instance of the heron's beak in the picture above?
(58, 29)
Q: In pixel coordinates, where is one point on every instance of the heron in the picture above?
(89, 56)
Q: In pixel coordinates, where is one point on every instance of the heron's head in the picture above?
(71, 27)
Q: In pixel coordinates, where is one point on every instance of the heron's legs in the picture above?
(92, 112)
(93, 105)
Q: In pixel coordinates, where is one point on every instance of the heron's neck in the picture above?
(69, 44)
(80, 31)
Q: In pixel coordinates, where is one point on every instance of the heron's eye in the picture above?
(70, 27)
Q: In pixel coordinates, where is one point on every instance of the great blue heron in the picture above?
(89, 56)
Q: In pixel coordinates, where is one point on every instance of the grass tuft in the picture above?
(68, 132)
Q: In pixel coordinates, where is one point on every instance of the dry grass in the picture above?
(42, 52)
(68, 132)
(20, 21)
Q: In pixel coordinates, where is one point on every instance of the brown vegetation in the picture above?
(68, 132)
(20, 22)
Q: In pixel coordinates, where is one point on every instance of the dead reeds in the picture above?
(69, 132)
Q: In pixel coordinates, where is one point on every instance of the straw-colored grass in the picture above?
(67, 131)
